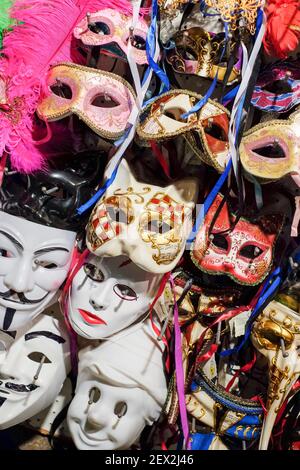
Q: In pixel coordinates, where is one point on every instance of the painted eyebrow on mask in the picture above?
(12, 239)
(48, 250)
(47, 334)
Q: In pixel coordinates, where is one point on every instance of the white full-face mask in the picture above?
(108, 295)
(148, 223)
(33, 367)
(121, 388)
(34, 262)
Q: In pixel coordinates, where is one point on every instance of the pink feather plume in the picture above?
(43, 38)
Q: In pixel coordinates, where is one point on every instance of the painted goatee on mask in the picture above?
(33, 368)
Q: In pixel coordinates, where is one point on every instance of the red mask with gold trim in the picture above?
(244, 252)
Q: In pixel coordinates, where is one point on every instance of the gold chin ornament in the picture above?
(276, 335)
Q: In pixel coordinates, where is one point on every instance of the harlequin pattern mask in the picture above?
(244, 252)
(148, 223)
(198, 52)
(270, 151)
(110, 26)
(206, 129)
(276, 335)
(102, 100)
(284, 75)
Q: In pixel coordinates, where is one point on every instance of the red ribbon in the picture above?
(160, 158)
(245, 368)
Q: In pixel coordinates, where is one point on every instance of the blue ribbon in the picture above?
(150, 47)
(230, 95)
(259, 21)
(208, 201)
(99, 193)
(271, 284)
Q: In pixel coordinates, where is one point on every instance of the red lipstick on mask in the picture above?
(91, 318)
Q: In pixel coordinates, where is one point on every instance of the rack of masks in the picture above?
(149, 184)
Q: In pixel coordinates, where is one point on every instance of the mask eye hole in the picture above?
(250, 251)
(38, 357)
(215, 131)
(5, 253)
(187, 53)
(45, 264)
(139, 42)
(271, 151)
(125, 292)
(100, 28)
(220, 241)
(117, 214)
(62, 90)
(104, 101)
(158, 226)
(175, 113)
(278, 86)
(94, 395)
(120, 409)
(93, 272)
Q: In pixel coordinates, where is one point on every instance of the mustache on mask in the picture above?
(20, 387)
(6, 296)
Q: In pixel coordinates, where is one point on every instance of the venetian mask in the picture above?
(101, 99)
(121, 388)
(147, 223)
(33, 367)
(242, 252)
(199, 52)
(278, 87)
(110, 27)
(34, 263)
(205, 131)
(270, 150)
(276, 335)
(224, 413)
(108, 295)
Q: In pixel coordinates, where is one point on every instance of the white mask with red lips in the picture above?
(108, 295)
(33, 368)
(34, 262)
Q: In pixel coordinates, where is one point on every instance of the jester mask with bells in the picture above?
(276, 335)
(147, 223)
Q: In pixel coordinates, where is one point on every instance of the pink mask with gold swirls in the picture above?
(110, 26)
(102, 100)
(244, 253)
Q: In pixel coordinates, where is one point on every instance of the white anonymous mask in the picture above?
(34, 262)
(33, 367)
(276, 335)
(121, 388)
(148, 223)
(108, 295)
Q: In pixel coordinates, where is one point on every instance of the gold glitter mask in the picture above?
(270, 151)
(276, 335)
(199, 52)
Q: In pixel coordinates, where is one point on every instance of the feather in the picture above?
(42, 37)
(283, 27)
(5, 19)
